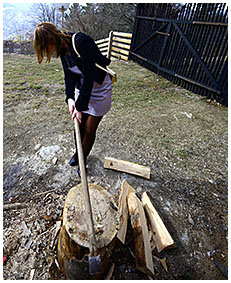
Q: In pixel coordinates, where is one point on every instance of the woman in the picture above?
(88, 89)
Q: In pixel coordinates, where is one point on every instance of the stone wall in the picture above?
(10, 46)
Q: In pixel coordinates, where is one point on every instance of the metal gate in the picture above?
(187, 44)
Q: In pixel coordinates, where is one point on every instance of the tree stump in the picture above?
(73, 244)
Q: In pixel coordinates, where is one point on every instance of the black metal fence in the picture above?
(187, 44)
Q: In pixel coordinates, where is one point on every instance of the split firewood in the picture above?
(161, 235)
(143, 252)
(152, 243)
(127, 167)
(123, 210)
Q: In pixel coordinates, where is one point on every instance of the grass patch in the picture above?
(148, 114)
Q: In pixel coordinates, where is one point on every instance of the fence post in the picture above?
(110, 38)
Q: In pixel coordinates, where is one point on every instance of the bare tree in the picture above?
(98, 19)
(42, 12)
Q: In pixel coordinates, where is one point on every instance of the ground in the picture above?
(182, 137)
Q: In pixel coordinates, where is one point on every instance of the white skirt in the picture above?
(100, 99)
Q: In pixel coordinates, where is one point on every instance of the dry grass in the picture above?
(152, 122)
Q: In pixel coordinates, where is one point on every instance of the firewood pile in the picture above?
(148, 229)
(139, 223)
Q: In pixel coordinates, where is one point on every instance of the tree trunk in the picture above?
(73, 243)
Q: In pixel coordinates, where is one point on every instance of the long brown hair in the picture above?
(47, 35)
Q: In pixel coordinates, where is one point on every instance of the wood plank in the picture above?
(127, 166)
(161, 235)
(123, 210)
(101, 40)
(121, 45)
(124, 34)
(103, 45)
(103, 49)
(123, 40)
(119, 56)
(104, 53)
(109, 44)
(124, 52)
(143, 252)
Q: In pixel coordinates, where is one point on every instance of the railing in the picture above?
(117, 45)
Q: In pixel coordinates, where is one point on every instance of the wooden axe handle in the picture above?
(87, 203)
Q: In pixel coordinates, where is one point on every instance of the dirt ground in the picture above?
(179, 135)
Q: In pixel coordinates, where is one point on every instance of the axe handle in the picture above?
(87, 203)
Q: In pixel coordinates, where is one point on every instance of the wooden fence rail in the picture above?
(116, 45)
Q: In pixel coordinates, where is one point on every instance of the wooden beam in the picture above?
(163, 33)
(124, 52)
(123, 210)
(161, 236)
(174, 74)
(127, 166)
(103, 49)
(123, 34)
(121, 45)
(103, 45)
(120, 39)
(117, 55)
(101, 40)
(143, 252)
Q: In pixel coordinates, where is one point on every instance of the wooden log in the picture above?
(161, 236)
(143, 252)
(127, 166)
(123, 210)
(73, 243)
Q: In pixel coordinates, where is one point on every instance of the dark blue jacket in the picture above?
(90, 55)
